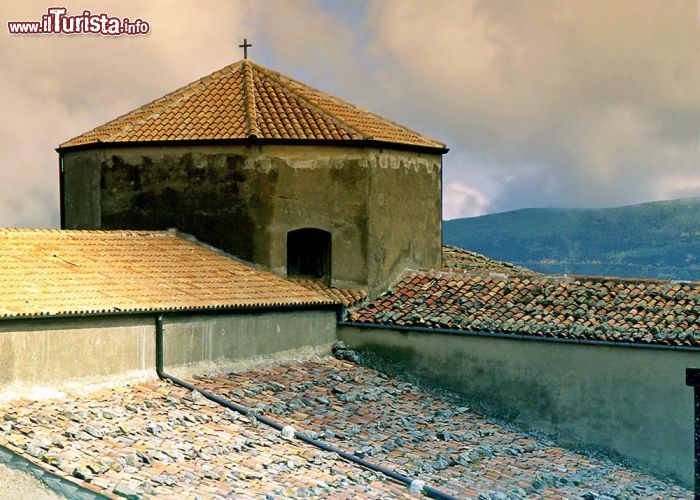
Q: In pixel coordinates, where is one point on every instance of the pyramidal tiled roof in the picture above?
(245, 100)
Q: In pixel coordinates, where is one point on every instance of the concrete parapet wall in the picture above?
(631, 402)
(222, 342)
(70, 353)
(53, 351)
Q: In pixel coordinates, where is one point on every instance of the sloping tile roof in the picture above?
(51, 272)
(158, 440)
(466, 260)
(346, 296)
(581, 308)
(246, 100)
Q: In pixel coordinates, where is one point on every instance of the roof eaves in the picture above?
(250, 141)
(145, 311)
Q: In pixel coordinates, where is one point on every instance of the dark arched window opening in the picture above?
(309, 253)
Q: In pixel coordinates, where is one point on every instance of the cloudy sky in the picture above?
(543, 103)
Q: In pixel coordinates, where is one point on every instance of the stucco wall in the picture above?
(628, 401)
(54, 352)
(244, 199)
(216, 342)
(404, 210)
(51, 352)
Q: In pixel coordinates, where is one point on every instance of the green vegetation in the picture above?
(652, 240)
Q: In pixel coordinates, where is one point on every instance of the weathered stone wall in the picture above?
(628, 401)
(405, 213)
(382, 207)
(81, 201)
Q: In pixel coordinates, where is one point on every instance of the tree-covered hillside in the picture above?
(652, 240)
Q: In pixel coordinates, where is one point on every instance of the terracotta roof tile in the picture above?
(51, 272)
(158, 440)
(246, 100)
(347, 296)
(466, 260)
(578, 307)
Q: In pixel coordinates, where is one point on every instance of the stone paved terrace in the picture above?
(158, 439)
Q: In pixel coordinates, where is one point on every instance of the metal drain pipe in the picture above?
(412, 483)
(692, 379)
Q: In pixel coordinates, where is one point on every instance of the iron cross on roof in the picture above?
(245, 46)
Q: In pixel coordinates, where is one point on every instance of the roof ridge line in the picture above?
(289, 91)
(155, 114)
(557, 278)
(130, 126)
(380, 117)
(249, 97)
(392, 122)
(344, 103)
(187, 92)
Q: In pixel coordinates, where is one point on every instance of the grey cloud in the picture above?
(55, 87)
(598, 99)
(542, 102)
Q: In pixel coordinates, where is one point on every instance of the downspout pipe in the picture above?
(61, 192)
(427, 490)
(692, 379)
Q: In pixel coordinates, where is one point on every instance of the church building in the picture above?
(270, 170)
(180, 224)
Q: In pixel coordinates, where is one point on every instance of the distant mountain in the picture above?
(652, 240)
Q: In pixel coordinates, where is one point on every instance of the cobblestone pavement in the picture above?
(158, 439)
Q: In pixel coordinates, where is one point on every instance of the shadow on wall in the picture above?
(626, 402)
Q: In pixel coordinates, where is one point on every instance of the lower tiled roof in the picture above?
(581, 308)
(465, 260)
(52, 272)
(156, 439)
(347, 296)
